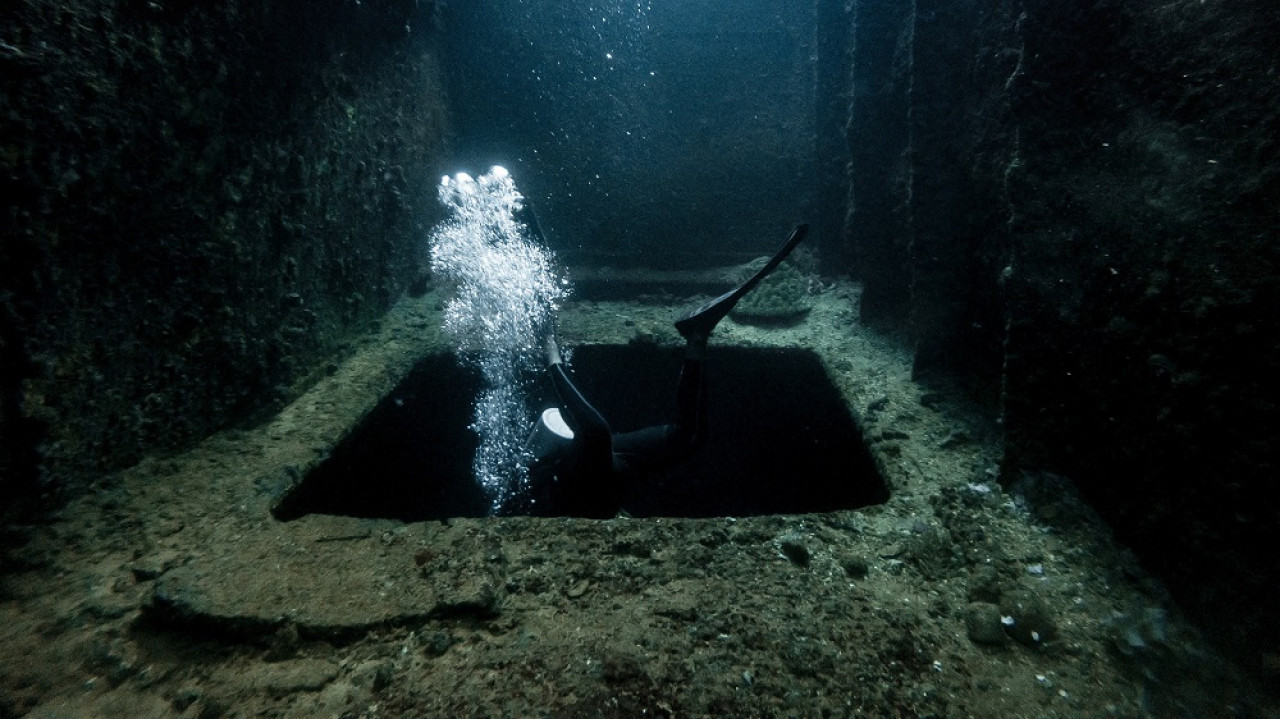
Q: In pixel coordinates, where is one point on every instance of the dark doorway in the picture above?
(782, 440)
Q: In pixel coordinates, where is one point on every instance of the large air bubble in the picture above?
(505, 294)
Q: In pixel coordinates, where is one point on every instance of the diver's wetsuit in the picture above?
(590, 480)
(588, 483)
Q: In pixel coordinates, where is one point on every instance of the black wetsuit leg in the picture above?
(659, 447)
(587, 486)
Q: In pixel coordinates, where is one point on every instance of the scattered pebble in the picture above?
(982, 622)
(855, 565)
(1031, 622)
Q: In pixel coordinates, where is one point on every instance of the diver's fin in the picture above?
(702, 320)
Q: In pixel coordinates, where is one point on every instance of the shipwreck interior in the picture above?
(1044, 256)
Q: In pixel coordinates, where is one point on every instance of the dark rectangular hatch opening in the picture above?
(782, 440)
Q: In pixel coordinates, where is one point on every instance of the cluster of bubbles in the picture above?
(506, 293)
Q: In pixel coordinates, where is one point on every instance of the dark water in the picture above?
(664, 134)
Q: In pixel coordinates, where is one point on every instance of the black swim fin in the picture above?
(702, 320)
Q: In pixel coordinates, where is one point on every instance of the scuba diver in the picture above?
(580, 465)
